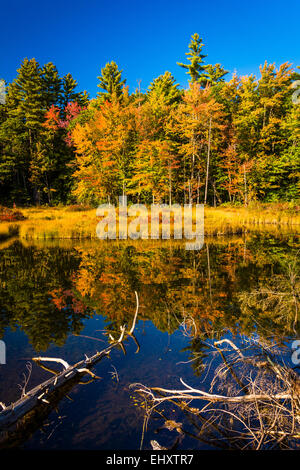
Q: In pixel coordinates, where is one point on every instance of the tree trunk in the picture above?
(208, 158)
(245, 187)
(170, 185)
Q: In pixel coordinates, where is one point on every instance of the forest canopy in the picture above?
(220, 140)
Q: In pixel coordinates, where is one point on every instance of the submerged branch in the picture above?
(190, 393)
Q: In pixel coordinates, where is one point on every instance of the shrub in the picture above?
(10, 215)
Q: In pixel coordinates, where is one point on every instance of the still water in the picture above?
(61, 299)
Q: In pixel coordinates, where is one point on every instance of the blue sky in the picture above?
(146, 38)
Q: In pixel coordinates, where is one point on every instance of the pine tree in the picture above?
(215, 74)
(196, 69)
(34, 156)
(166, 88)
(30, 98)
(70, 95)
(155, 159)
(21, 130)
(52, 84)
(111, 82)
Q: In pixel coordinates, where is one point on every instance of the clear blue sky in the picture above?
(146, 38)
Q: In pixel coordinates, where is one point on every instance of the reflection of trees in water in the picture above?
(277, 297)
(28, 277)
(48, 292)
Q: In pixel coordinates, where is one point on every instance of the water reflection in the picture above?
(229, 285)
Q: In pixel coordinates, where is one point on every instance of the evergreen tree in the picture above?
(20, 131)
(196, 69)
(28, 91)
(52, 84)
(69, 93)
(111, 82)
(165, 87)
(216, 74)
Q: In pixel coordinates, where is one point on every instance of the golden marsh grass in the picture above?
(61, 223)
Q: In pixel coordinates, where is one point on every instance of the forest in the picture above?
(221, 140)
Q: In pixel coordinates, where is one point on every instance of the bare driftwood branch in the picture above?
(190, 393)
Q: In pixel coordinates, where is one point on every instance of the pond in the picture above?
(62, 298)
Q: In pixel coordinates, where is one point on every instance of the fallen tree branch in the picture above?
(190, 393)
(52, 359)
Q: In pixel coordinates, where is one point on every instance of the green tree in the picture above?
(70, 95)
(52, 84)
(25, 108)
(166, 88)
(111, 82)
(196, 68)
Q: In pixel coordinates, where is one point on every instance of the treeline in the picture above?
(217, 141)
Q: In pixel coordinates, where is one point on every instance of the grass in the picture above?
(272, 217)
(79, 224)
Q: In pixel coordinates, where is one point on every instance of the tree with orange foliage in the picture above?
(197, 122)
(104, 148)
(155, 158)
